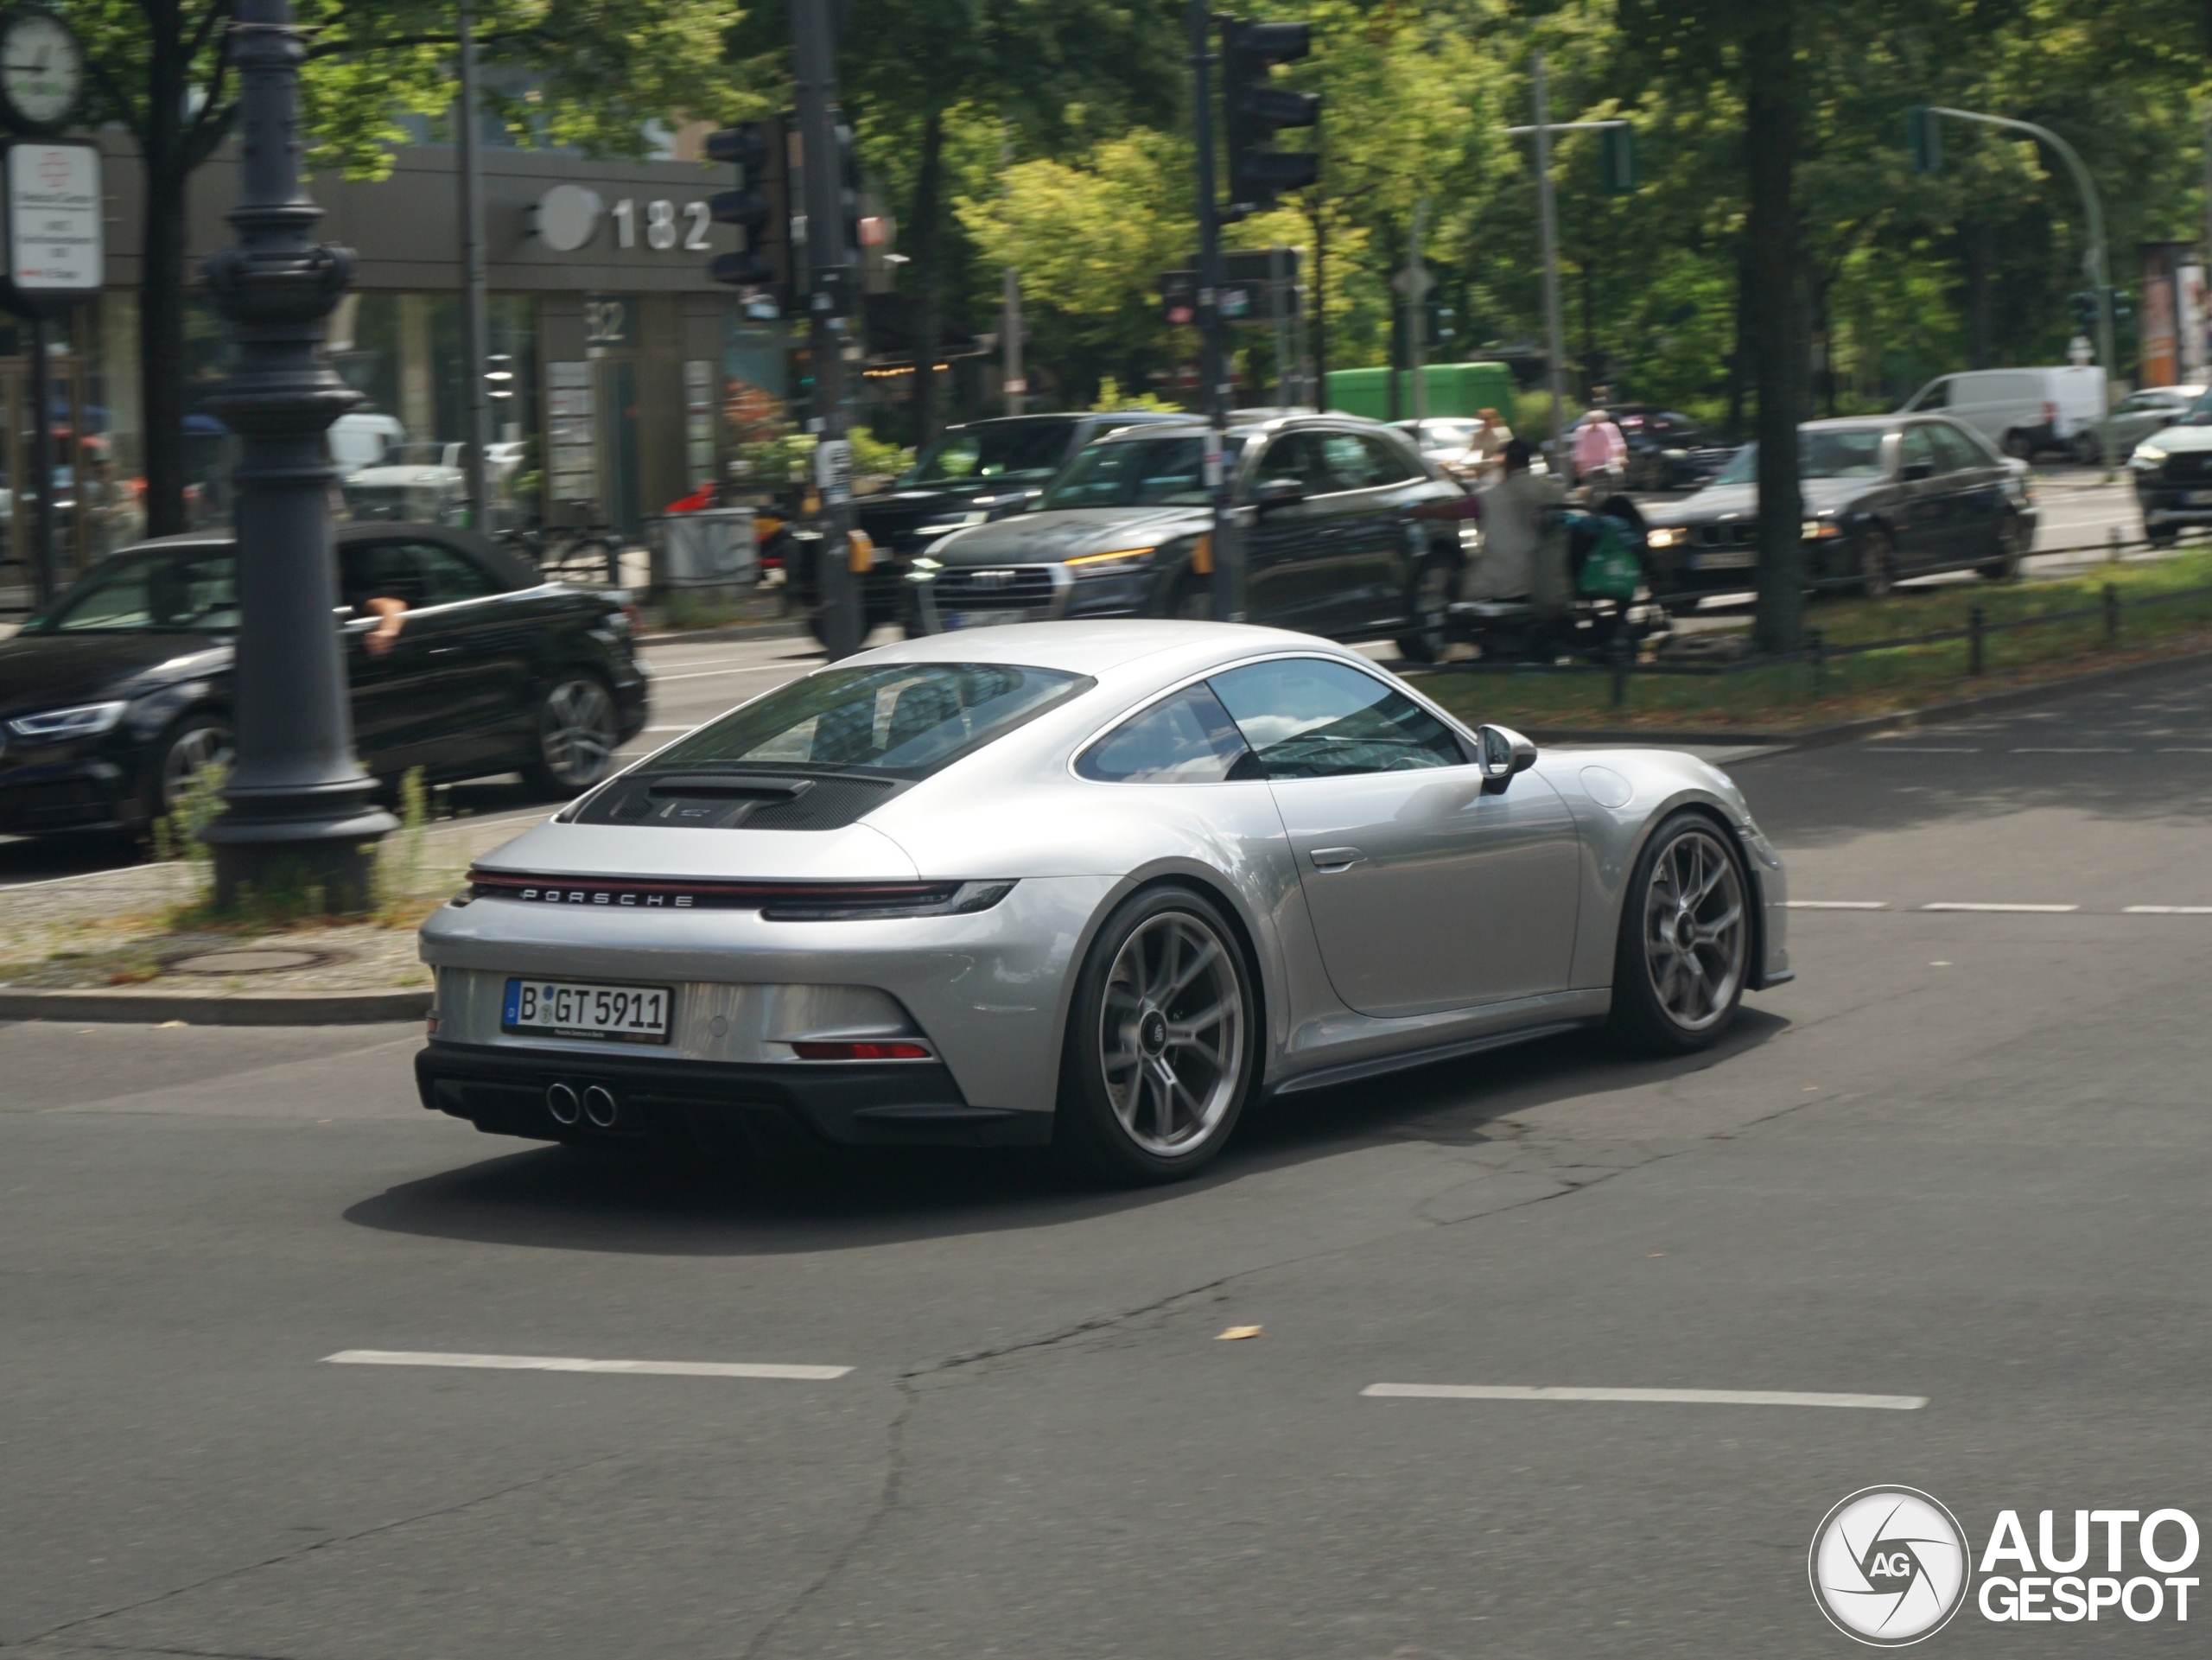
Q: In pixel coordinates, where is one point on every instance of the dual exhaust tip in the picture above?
(595, 1105)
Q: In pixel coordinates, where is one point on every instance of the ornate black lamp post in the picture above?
(301, 813)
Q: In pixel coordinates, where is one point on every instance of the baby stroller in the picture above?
(1589, 574)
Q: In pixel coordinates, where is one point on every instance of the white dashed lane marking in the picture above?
(1960, 905)
(1670, 1397)
(1836, 905)
(557, 1363)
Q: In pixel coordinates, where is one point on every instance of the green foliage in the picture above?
(1112, 398)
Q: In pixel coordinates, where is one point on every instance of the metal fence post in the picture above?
(1819, 642)
(2112, 614)
(1973, 640)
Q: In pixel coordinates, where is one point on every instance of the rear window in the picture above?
(902, 720)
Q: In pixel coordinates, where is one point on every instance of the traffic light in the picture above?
(760, 207)
(1179, 297)
(1923, 133)
(1617, 159)
(1443, 324)
(2084, 305)
(1252, 109)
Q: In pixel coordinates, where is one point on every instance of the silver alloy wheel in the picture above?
(1695, 934)
(193, 754)
(577, 732)
(1877, 565)
(1171, 1036)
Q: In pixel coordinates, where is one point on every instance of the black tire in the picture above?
(2163, 538)
(1166, 962)
(1663, 1010)
(1193, 598)
(195, 742)
(2020, 446)
(2012, 537)
(1878, 565)
(1435, 580)
(575, 730)
(2086, 448)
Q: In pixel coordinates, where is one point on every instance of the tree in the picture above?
(585, 73)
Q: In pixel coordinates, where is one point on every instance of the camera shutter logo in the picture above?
(1889, 1566)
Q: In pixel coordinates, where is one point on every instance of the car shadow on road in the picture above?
(563, 1198)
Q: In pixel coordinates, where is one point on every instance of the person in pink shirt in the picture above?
(1600, 454)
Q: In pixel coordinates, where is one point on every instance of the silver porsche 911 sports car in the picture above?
(1092, 884)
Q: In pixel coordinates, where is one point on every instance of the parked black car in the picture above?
(1666, 449)
(2172, 471)
(1331, 547)
(113, 699)
(1885, 496)
(976, 473)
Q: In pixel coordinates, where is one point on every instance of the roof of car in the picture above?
(1251, 422)
(512, 569)
(1096, 646)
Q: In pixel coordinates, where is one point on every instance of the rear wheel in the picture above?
(2020, 446)
(1161, 1044)
(1192, 599)
(1684, 950)
(1431, 604)
(577, 732)
(2086, 448)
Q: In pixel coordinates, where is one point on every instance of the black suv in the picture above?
(1330, 546)
(976, 472)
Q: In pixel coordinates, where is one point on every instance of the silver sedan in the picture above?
(1095, 885)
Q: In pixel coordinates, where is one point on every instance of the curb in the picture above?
(303, 1008)
(779, 630)
(1819, 737)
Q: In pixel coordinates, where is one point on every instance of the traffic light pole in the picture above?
(1228, 545)
(474, 322)
(2100, 275)
(1548, 235)
(814, 57)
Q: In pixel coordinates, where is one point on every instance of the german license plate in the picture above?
(565, 1009)
(1727, 559)
(2199, 499)
(986, 619)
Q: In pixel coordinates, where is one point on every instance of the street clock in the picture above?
(41, 71)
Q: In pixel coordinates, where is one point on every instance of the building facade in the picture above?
(622, 377)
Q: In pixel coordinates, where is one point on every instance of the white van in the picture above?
(360, 439)
(2022, 410)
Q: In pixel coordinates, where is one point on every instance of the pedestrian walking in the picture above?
(1487, 445)
(1600, 454)
(1516, 515)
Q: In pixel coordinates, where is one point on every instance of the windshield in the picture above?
(900, 720)
(175, 591)
(1855, 453)
(1137, 472)
(1022, 453)
(2200, 413)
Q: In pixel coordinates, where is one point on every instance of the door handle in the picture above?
(1329, 861)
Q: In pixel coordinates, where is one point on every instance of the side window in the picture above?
(452, 575)
(1389, 461)
(1349, 465)
(383, 570)
(1955, 452)
(1184, 739)
(1307, 718)
(1293, 456)
(1914, 448)
(1937, 397)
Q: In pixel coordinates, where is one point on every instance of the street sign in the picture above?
(833, 469)
(56, 250)
(1414, 284)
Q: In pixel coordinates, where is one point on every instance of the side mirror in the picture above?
(1277, 492)
(1913, 472)
(1501, 752)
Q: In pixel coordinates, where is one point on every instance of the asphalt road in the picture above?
(1963, 1158)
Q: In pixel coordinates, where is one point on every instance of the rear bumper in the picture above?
(719, 1106)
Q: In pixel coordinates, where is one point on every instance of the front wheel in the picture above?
(1431, 603)
(1877, 565)
(1161, 1038)
(577, 732)
(2012, 546)
(1684, 949)
(195, 752)
(2088, 448)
